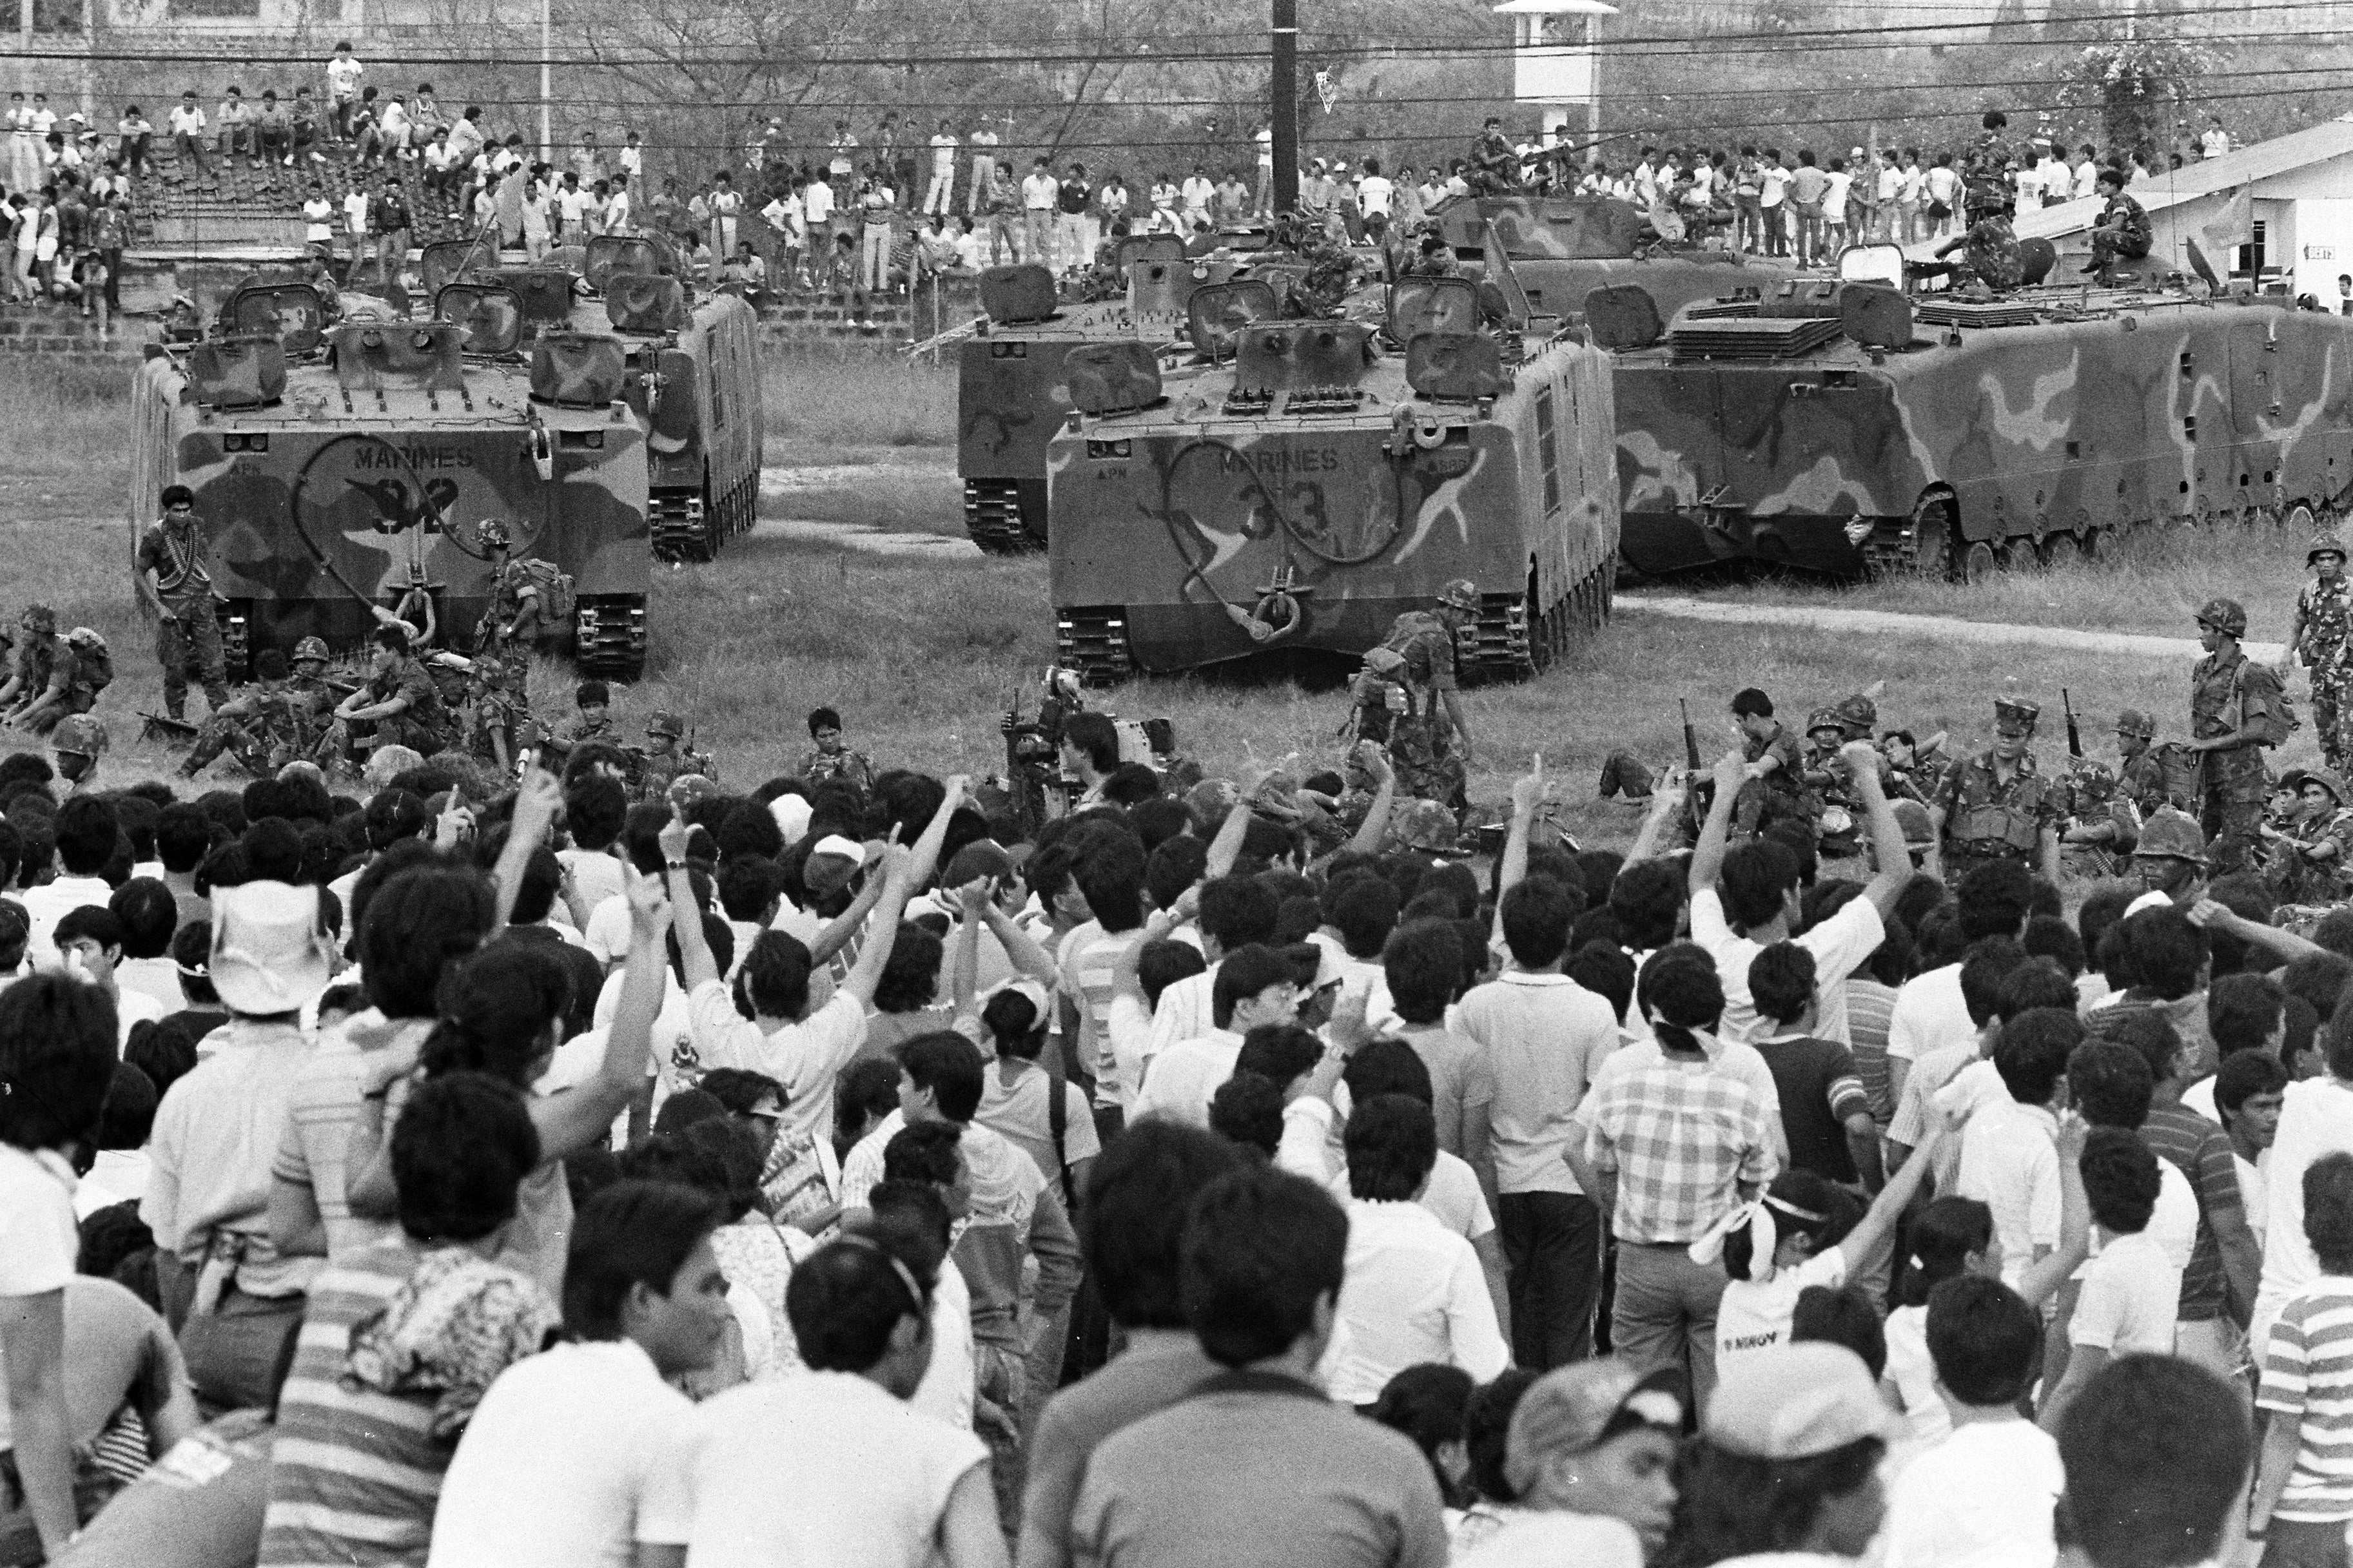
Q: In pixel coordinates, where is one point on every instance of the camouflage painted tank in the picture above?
(1319, 476)
(1846, 426)
(693, 373)
(1563, 247)
(339, 467)
(1011, 394)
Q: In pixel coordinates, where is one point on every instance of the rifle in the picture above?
(1703, 788)
(2074, 736)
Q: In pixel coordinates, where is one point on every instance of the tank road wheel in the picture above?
(1978, 562)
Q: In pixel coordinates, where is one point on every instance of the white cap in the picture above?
(792, 815)
(270, 950)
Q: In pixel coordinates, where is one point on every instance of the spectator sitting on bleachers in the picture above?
(134, 132)
(273, 131)
(237, 128)
(189, 132)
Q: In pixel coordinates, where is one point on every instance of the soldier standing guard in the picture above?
(2322, 636)
(1997, 805)
(2236, 709)
(515, 616)
(173, 563)
(1431, 750)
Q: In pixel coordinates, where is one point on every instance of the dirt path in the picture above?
(1895, 624)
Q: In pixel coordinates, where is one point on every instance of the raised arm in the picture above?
(2286, 946)
(1020, 946)
(926, 853)
(1707, 855)
(536, 804)
(964, 962)
(581, 1118)
(2043, 1277)
(1375, 825)
(1895, 872)
(694, 959)
(1878, 1222)
(898, 882)
(1666, 803)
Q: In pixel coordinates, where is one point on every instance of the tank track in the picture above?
(992, 515)
(611, 638)
(1502, 644)
(1892, 547)
(680, 530)
(1094, 641)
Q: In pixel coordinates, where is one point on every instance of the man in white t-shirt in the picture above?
(942, 190)
(1745, 899)
(555, 1468)
(830, 1466)
(1376, 193)
(2130, 1290)
(1929, 1014)
(1254, 986)
(2010, 1152)
(1986, 1495)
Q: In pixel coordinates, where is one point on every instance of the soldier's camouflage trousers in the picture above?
(2332, 705)
(190, 645)
(1421, 750)
(259, 752)
(399, 730)
(78, 700)
(2230, 815)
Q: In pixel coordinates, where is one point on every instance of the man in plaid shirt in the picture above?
(1670, 1149)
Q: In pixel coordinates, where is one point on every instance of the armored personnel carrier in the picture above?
(1563, 247)
(1845, 426)
(1010, 393)
(1318, 477)
(343, 468)
(693, 373)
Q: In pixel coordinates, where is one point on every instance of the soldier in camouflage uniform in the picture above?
(2140, 777)
(1495, 162)
(314, 698)
(2236, 709)
(832, 759)
(400, 702)
(1828, 780)
(1429, 748)
(44, 687)
(2102, 825)
(79, 741)
(498, 714)
(1775, 790)
(2322, 638)
(513, 619)
(174, 562)
(2170, 858)
(664, 758)
(1998, 804)
(262, 726)
(2308, 861)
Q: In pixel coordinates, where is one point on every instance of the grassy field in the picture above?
(923, 656)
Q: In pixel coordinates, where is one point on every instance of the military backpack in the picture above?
(556, 598)
(95, 661)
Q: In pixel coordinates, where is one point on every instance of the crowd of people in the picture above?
(874, 1169)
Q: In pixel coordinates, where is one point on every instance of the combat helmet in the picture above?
(2325, 542)
(78, 735)
(666, 724)
(1919, 830)
(1459, 594)
(1825, 719)
(310, 649)
(2016, 710)
(2329, 780)
(1860, 714)
(39, 619)
(2226, 616)
(2133, 722)
(2170, 834)
(1426, 825)
(493, 534)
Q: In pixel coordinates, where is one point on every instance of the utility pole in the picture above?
(1282, 105)
(546, 79)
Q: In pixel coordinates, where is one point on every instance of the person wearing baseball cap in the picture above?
(1591, 1458)
(1786, 1468)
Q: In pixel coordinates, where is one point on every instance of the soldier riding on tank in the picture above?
(1998, 804)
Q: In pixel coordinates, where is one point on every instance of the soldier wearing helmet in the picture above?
(2236, 710)
(498, 714)
(1431, 752)
(263, 726)
(516, 616)
(1826, 779)
(2310, 856)
(45, 684)
(1998, 804)
(664, 757)
(79, 741)
(175, 575)
(2171, 857)
(2321, 637)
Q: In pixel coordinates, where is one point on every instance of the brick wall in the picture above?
(63, 334)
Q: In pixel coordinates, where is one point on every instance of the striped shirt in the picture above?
(1869, 1010)
(1088, 959)
(2308, 1375)
(354, 1474)
(2200, 1151)
(1681, 1137)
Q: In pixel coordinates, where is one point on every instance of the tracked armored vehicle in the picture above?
(1319, 476)
(1563, 247)
(693, 373)
(1842, 427)
(340, 469)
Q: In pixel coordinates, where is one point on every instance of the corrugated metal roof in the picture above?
(2313, 144)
